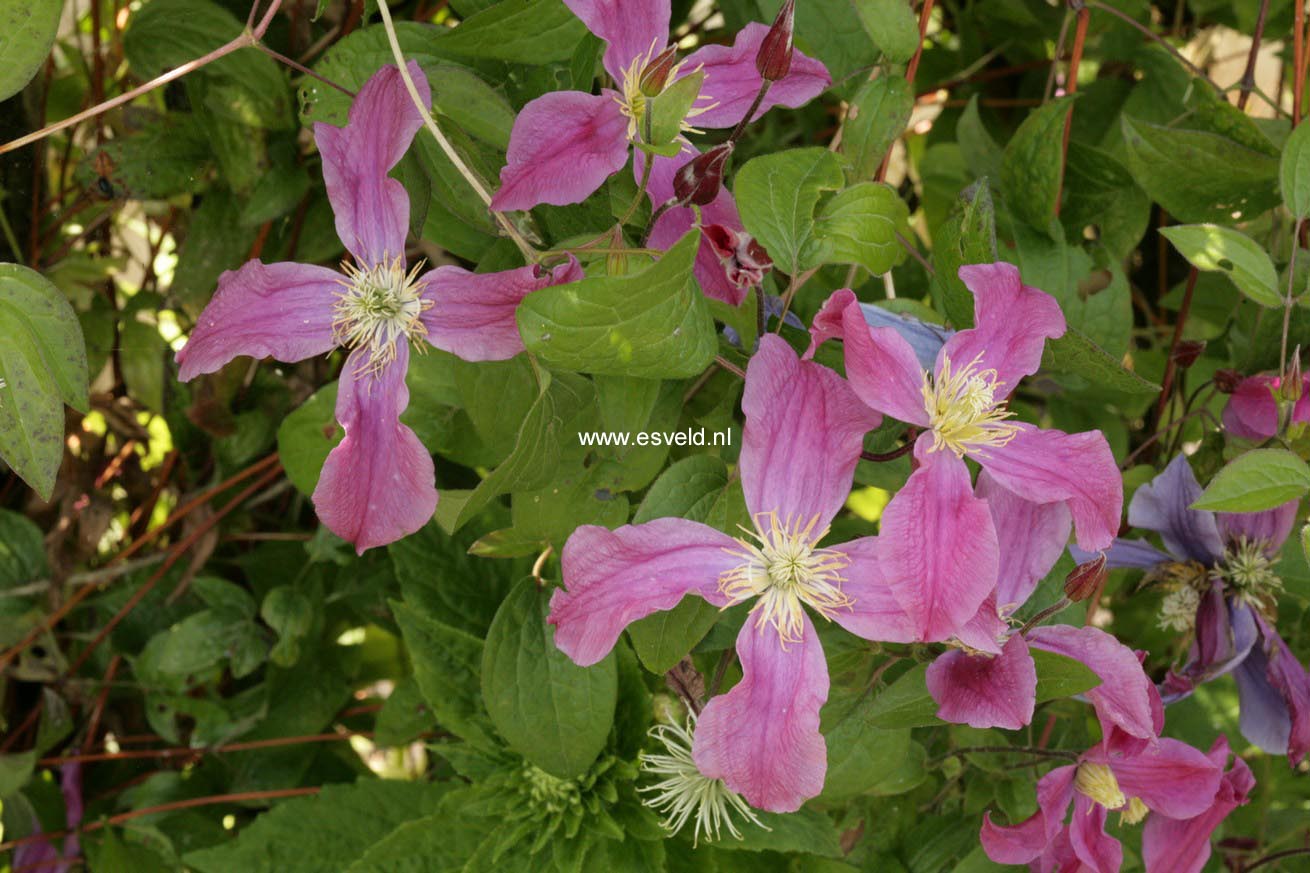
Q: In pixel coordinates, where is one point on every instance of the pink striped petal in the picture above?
(875, 613)
(632, 28)
(280, 310)
(563, 147)
(1252, 412)
(762, 737)
(1078, 470)
(1124, 696)
(732, 81)
(472, 314)
(372, 209)
(985, 691)
(986, 631)
(1012, 322)
(613, 578)
(1098, 851)
(803, 436)
(880, 364)
(1031, 537)
(938, 545)
(377, 485)
(1183, 845)
(1171, 778)
(1029, 839)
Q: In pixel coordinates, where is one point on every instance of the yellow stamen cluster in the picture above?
(965, 408)
(377, 308)
(785, 570)
(1097, 782)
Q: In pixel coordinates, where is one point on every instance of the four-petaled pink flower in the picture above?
(378, 484)
(940, 553)
(1164, 778)
(802, 439)
(991, 680)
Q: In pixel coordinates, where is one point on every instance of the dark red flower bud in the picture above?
(1227, 380)
(699, 180)
(774, 57)
(1086, 579)
(657, 71)
(744, 260)
(1187, 351)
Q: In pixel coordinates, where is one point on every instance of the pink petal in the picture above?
(613, 578)
(986, 631)
(1031, 537)
(1124, 696)
(633, 28)
(472, 314)
(1029, 839)
(880, 364)
(1049, 466)
(732, 81)
(281, 310)
(1012, 322)
(1171, 778)
(377, 485)
(803, 436)
(985, 691)
(762, 737)
(1099, 852)
(563, 147)
(674, 223)
(1183, 845)
(1252, 412)
(372, 209)
(875, 613)
(938, 545)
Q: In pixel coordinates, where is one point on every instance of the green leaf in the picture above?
(306, 436)
(1059, 676)
(27, 30)
(864, 758)
(1033, 163)
(437, 576)
(859, 226)
(15, 772)
(892, 27)
(807, 830)
(980, 150)
(541, 31)
(42, 366)
(345, 821)
(654, 324)
(967, 237)
(549, 710)
(22, 550)
(1294, 172)
(777, 195)
(1255, 481)
(1211, 247)
(1200, 176)
(876, 116)
(1075, 354)
(905, 703)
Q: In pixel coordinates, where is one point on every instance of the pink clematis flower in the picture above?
(1166, 778)
(378, 484)
(940, 551)
(803, 434)
(565, 144)
(1171, 845)
(991, 680)
(1252, 411)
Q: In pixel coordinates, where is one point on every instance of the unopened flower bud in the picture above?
(773, 60)
(1227, 380)
(1187, 351)
(656, 73)
(1086, 579)
(698, 181)
(1291, 388)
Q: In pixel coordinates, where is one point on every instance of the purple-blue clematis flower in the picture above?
(1219, 569)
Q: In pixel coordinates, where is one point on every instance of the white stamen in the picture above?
(377, 308)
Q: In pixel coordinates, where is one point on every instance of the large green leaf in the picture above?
(876, 116)
(42, 367)
(859, 226)
(27, 30)
(1033, 164)
(1255, 481)
(905, 703)
(541, 31)
(967, 237)
(1294, 172)
(1222, 249)
(1075, 354)
(777, 195)
(653, 324)
(551, 711)
(1060, 676)
(891, 25)
(307, 435)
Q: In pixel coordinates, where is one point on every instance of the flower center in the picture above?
(964, 410)
(785, 570)
(1135, 812)
(378, 307)
(1097, 781)
(1249, 573)
(1178, 610)
(634, 104)
(684, 791)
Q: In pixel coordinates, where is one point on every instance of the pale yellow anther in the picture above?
(378, 308)
(1135, 812)
(785, 571)
(1097, 782)
(966, 408)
